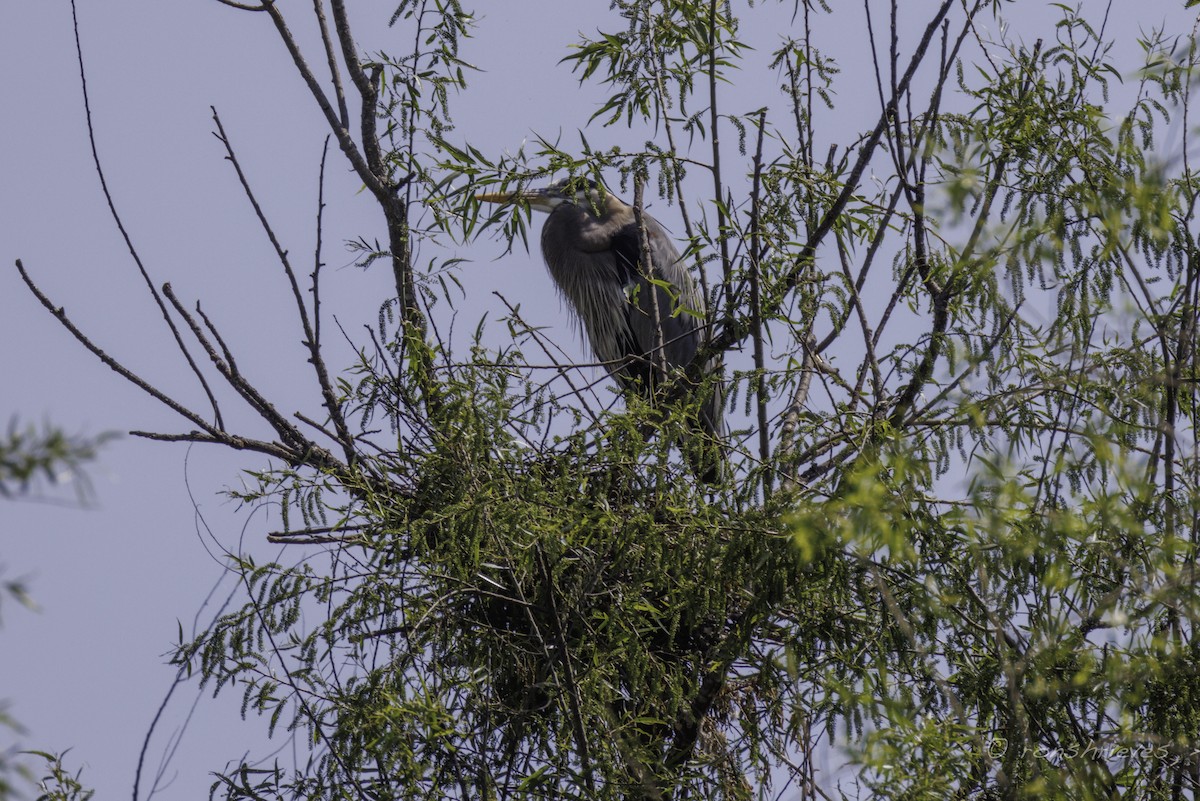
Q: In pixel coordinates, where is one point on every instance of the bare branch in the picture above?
(61, 315)
(714, 121)
(286, 431)
(318, 535)
(315, 357)
(162, 307)
(345, 142)
(243, 6)
(335, 74)
(365, 82)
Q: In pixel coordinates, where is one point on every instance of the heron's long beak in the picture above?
(539, 199)
(498, 197)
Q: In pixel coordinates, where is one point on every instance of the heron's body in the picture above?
(593, 251)
(596, 264)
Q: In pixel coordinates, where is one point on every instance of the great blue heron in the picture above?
(594, 252)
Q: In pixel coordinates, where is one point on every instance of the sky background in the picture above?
(117, 577)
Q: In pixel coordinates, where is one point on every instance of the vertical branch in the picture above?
(313, 335)
(676, 183)
(1172, 361)
(714, 120)
(756, 316)
(315, 275)
(411, 142)
(351, 150)
(335, 74)
(659, 356)
(364, 81)
(395, 209)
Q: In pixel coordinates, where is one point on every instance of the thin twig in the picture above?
(658, 356)
(318, 535)
(287, 432)
(162, 307)
(714, 120)
(335, 74)
(555, 364)
(313, 338)
(345, 141)
(315, 357)
(738, 330)
(61, 315)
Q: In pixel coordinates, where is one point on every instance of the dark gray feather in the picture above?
(595, 258)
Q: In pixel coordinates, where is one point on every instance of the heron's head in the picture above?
(577, 191)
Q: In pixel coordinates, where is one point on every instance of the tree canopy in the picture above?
(954, 552)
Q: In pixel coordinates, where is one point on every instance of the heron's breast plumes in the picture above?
(588, 277)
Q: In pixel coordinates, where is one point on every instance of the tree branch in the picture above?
(61, 315)
(162, 307)
(315, 358)
(345, 142)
